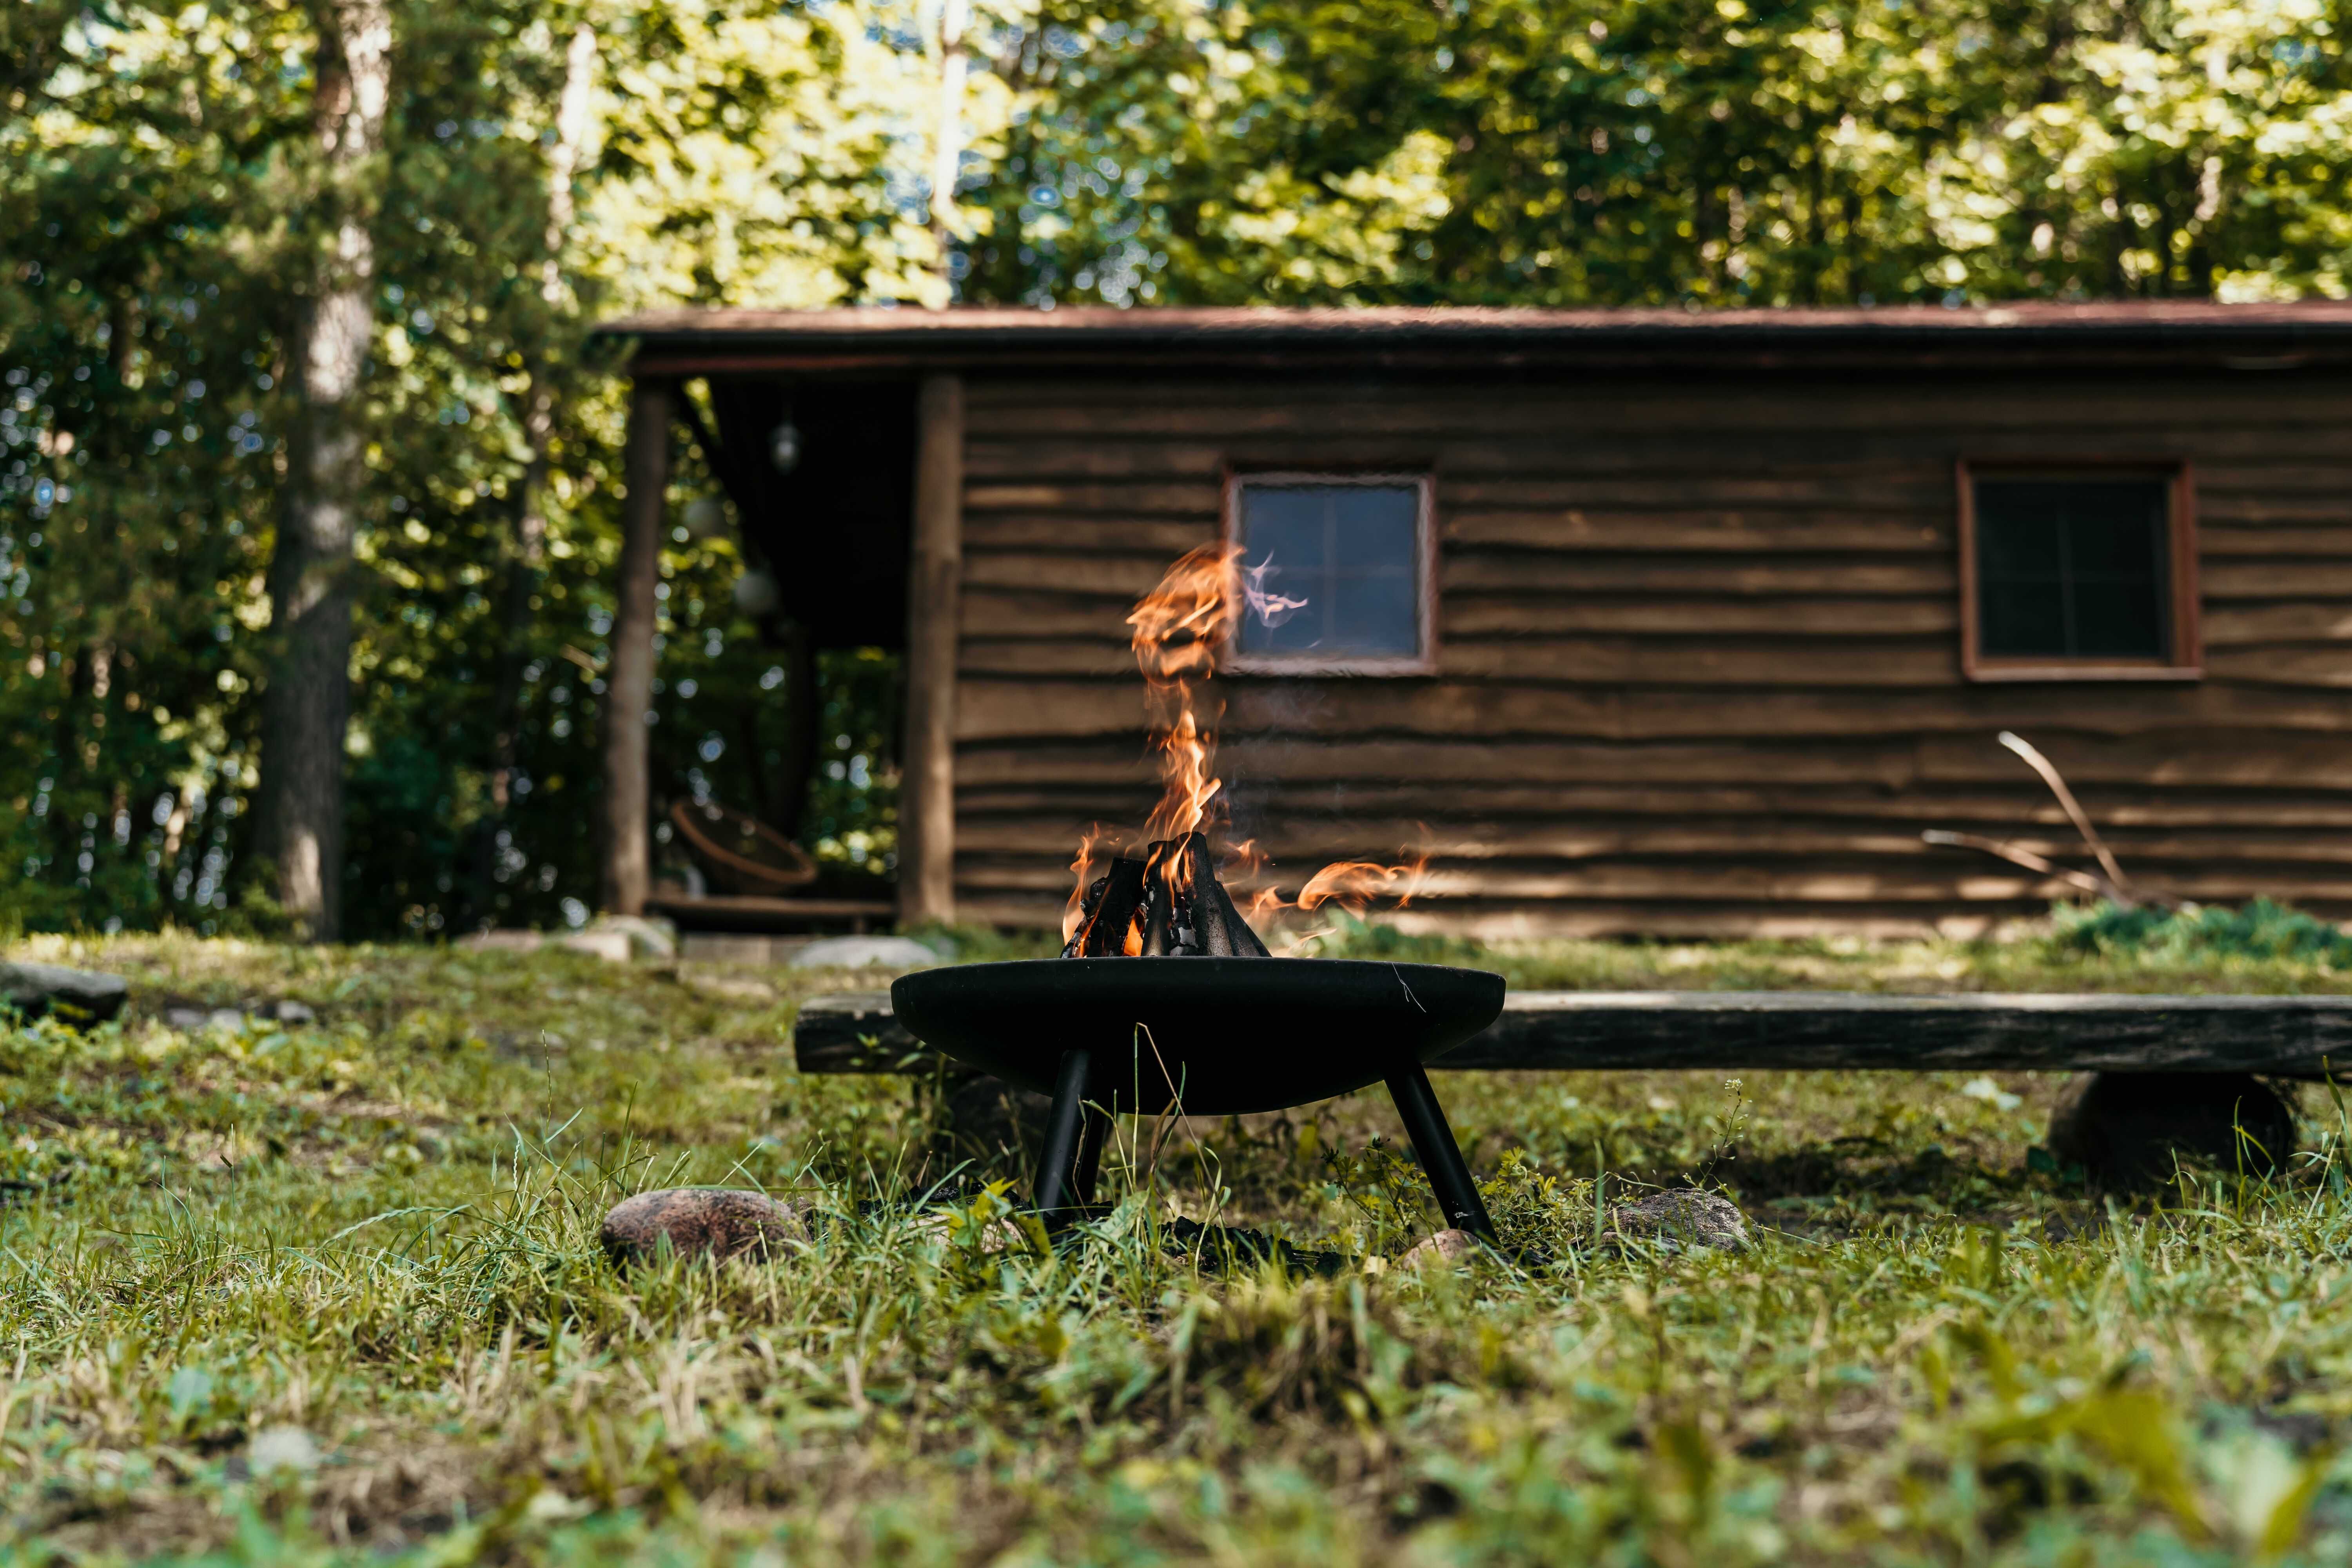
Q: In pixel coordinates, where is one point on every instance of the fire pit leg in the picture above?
(1094, 1129)
(1441, 1157)
(1058, 1168)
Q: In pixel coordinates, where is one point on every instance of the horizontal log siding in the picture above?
(1698, 669)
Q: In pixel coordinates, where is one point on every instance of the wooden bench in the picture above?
(2281, 1036)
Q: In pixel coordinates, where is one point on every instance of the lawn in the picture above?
(328, 1292)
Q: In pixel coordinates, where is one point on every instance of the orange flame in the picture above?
(1177, 629)
(1083, 868)
(1244, 858)
(1177, 632)
(1353, 885)
(1263, 904)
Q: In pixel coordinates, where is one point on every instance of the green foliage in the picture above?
(1385, 1188)
(151, 162)
(161, 215)
(2258, 930)
(1712, 151)
(1537, 1215)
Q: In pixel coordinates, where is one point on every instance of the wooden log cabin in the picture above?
(1639, 622)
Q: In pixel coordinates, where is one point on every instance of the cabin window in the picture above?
(1336, 570)
(2074, 574)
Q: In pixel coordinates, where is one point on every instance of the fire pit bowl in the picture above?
(1236, 1035)
(1220, 1035)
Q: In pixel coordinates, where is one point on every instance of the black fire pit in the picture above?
(1219, 1035)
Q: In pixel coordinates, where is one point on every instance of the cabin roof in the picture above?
(2268, 336)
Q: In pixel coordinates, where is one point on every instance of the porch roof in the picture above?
(2191, 334)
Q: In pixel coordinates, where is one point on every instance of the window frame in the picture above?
(2184, 661)
(1424, 485)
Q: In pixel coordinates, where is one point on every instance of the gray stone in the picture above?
(1684, 1217)
(697, 1221)
(189, 1015)
(863, 951)
(77, 996)
(737, 947)
(646, 937)
(504, 940)
(282, 1449)
(1447, 1247)
(612, 946)
(2129, 1130)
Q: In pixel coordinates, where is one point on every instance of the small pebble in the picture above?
(282, 1449)
(1445, 1247)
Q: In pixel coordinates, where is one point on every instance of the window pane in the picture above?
(2025, 618)
(2118, 620)
(2115, 528)
(2017, 530)
(1286, 526)
(2073, 568)
(1351, 552)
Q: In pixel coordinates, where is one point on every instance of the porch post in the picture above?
(927, 791)
(629, 672)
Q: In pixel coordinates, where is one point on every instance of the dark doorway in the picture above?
(831, 529)
(835, 530)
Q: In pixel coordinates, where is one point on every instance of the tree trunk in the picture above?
(946, 141)
(305, 707)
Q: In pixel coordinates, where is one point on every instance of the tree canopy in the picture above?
(166, 211)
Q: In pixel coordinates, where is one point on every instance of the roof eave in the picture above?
(2247, 338)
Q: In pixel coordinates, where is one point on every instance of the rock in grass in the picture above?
(697, 1221)
(2128, 1129)
(863, 951)
(74, 995)
(1445, 1247)
(1685, 1217)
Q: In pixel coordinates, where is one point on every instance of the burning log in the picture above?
(1111, 914)
(1167, 905)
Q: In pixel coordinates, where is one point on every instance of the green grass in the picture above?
(333, 1293)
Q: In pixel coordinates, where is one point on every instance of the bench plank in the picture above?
(1789, 1030)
